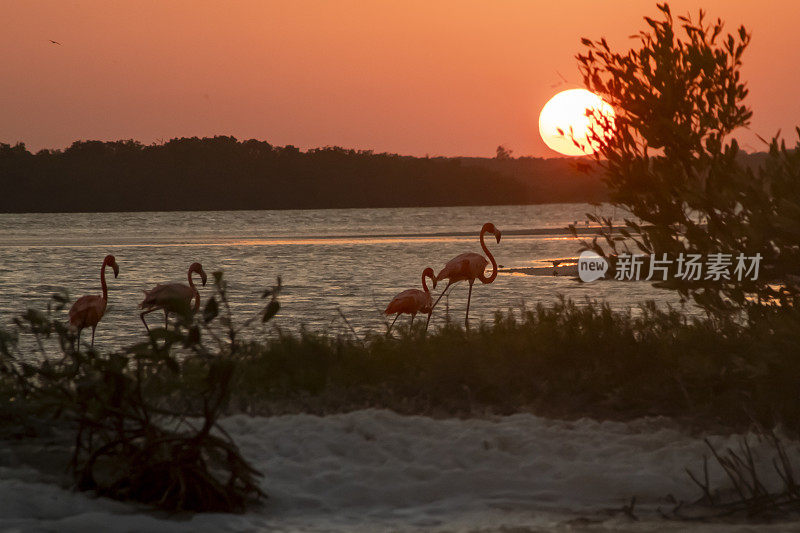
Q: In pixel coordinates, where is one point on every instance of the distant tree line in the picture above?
(224, 173)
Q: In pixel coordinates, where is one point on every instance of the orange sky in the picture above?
(414, 77)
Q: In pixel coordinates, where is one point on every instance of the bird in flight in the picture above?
(55, 42)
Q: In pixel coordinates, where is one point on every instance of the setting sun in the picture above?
(564, 122)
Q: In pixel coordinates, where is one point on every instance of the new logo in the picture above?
(591, 266)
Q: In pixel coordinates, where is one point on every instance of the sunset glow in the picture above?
(566, 121)
(443, 78)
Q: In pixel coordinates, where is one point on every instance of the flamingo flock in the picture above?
(464, 267)
(176, 298)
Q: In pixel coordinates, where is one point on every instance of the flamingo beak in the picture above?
(203, 277)
(434, 283)
(498, 234)
(116, 269)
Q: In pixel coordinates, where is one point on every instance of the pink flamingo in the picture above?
(88, 310)
(469, 267)
(412, 301)
(173, 297)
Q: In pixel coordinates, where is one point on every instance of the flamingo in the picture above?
(88, 310)
(469, 267)
(172, 297)
(412, 301)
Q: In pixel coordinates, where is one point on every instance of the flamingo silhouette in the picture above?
(469, 267)
(173, 297)
(88, 310)
(412, 301)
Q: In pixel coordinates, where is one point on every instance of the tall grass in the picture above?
(564, 360)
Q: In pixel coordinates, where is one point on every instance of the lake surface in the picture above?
(355, 260)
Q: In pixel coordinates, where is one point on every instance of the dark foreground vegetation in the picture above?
(144, 420)
(674, 163)
(568, 361)
(186, 173)
(137, 431)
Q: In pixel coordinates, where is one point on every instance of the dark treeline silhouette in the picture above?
(223, 173)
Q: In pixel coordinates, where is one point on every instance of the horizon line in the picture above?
(161, 142)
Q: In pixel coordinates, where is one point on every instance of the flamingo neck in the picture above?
(425, 285)
(103, 281)
(482, 275)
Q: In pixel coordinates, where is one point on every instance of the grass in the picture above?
(566, 360)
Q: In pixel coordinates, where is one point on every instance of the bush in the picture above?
(140, 435)
(672, 162)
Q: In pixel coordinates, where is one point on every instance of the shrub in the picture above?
(672, 162)
(140, 435)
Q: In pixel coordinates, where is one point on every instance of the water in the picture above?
(355, 260)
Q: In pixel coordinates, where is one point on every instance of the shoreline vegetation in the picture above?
(564, 360)
(567, 361)
(223, 173)
(143, 420)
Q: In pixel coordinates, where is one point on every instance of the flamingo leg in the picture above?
(392, 324)
(436, 302)
(79, 339)
(440, 296)
(411, 325)
(149, 333)
(144, 321)
(166, 319)
(93, 328)
(469, 297)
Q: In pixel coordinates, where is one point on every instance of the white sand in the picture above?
(375, 470)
